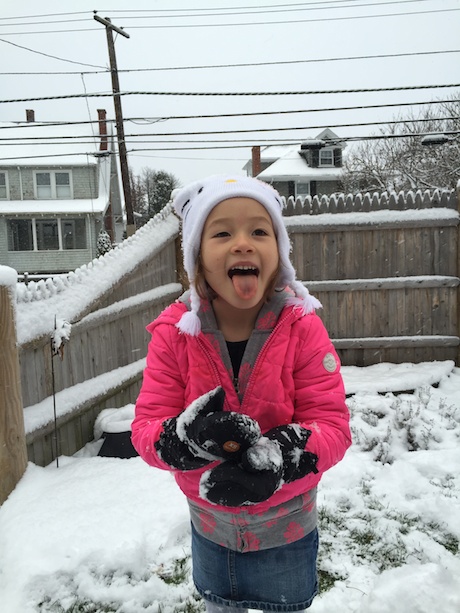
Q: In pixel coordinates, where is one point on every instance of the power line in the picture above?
(42, 15)
(286, 62)
(47, 140)
(222, 94)
(323, 109)
(54, 57)
(258, 11)
(202, 148)
(189, 9)
(267, 9)
(239, 24)
(332, 142)
(281, 22)
(241, 65)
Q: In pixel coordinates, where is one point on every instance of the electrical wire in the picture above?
(54, 57)
(214, 147)
(241, 65)
(222, 94)
(253, 23)
(137, 120)
(231, 11)
(296, 21)
(84, 139)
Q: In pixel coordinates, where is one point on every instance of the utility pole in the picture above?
(109, 27)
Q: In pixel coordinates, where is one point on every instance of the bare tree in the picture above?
(151, 191)
(399, 161)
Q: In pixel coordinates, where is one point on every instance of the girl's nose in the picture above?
(242, 243)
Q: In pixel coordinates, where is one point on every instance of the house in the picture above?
(297, 171)
(59, 188)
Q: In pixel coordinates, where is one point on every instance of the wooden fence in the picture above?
(388, 280)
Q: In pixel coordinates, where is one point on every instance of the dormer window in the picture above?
(326, 157)
(52, 184)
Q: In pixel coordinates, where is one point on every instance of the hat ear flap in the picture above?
(190, 323)
(303, 299)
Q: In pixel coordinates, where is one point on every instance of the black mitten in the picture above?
(212, 433)
(297, 462)
(174, 452)
(234, 485)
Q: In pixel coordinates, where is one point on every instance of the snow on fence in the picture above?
(358, 203)
(388, 280)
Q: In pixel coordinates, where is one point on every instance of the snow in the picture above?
(371, 218)
(39, 415)
(116, 532)
(8, 277)
(39, 303)
(291, 165)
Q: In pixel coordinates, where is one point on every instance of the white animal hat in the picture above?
(195, 202)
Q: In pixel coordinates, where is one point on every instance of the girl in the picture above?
(243, 401)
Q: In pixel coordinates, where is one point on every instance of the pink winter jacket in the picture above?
(296, 379)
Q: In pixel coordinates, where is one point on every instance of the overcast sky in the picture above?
(290, 37)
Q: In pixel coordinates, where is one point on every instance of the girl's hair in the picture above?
(205, 291)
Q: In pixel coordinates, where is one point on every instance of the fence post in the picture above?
(13, 450)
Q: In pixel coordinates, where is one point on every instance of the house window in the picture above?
(3, 186)
(73, 233)
(46, 234)
(20, 236)
(302, 189)
(53, 184)
(326, 157)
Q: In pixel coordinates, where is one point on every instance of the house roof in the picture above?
(292, 166)
(271, 153)
(50, 145)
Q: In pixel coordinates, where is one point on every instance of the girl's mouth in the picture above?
(245, 281)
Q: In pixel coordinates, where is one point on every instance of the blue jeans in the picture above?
(278, 579)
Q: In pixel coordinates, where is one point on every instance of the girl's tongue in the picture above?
(245, 284)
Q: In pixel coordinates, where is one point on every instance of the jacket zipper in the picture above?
(235, 380)
(262, 353)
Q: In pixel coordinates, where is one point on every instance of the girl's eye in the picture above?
(221, 234)
(260, 232)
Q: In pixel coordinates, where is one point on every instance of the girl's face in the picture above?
(239, 252)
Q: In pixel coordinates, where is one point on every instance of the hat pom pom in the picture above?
(189, 323)
(303, 299)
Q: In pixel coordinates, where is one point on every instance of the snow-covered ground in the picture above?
(109, 535)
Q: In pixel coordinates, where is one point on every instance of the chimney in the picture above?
(256, 167)
(102, 117)
(30, 115)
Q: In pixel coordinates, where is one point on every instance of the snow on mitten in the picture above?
(173, 448)
(292, 440)
(254, 480)
(212, 433)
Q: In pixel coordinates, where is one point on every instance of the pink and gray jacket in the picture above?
(290, 373)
